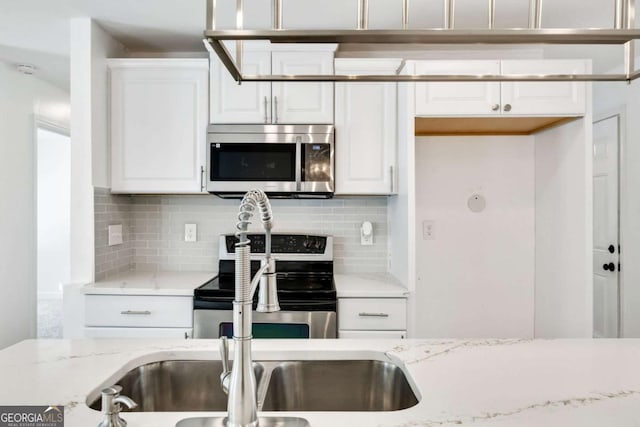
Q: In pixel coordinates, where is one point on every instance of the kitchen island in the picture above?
(477, 382)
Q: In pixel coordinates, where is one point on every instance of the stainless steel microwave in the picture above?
(293, 161)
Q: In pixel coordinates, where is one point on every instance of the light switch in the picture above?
(115, 234)
(190, 233)
(428, 230)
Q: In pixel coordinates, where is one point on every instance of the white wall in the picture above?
(90, 47)
(612, 98)
(475, 279)
(564, 230)
(401, 208)
(22, 98)
(54, 210)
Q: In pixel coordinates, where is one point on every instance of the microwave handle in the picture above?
(266, 117)
(202, 179)
(298, 163)
(275, 108)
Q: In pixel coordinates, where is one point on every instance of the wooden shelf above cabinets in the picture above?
(443, 126)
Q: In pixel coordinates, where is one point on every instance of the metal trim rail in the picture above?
(623, 32)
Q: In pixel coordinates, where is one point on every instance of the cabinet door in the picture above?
(302, 103)
(543, 98)
(241, 103)
(458, 98)
(158, 125)
(366, 147)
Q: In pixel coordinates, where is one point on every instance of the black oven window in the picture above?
(253, 162)
(270, 330)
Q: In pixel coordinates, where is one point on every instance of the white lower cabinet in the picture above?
(138, 316)
(138, 332)
(372, 317)
(373, 334)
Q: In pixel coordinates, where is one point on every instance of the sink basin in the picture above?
(306, 385)
(176, 385)
(338, 385)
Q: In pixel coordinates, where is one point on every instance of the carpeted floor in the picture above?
(49, 318)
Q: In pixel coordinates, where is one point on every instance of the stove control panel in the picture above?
(282, 243)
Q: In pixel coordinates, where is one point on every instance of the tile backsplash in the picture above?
(110, 210)
(155, 229)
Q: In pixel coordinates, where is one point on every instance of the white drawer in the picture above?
(139, 311)
(372, 314)
(373, 334)
(102, 332)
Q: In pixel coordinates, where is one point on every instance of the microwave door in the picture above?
(242, 166)
(317, 168)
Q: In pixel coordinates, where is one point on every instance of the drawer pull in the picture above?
(144, 313)
(373, 315)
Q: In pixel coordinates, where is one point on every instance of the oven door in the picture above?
(280, 324)
(237, 164)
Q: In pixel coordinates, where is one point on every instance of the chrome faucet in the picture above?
(240, 382)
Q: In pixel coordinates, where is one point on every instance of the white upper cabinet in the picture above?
(501, 98)
(302, 103)
(366, 129)
(455, 98)
(281, 103)
(158, 125)
(548, 98)
(245, 103)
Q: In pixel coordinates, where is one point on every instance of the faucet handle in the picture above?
(224, 357)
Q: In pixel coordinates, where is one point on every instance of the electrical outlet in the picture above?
(190, 233)
(115, 234)
(428, 232)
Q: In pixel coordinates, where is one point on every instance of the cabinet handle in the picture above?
(136, 312)
(275, 109)
(391, 180)
(266, 118)
(495, 107)
(507, 107)
(202, 179)
(373, 315)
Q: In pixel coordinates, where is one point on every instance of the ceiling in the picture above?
(37, 31)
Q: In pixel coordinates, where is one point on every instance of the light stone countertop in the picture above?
(372, 285)
(475, 383)
(175, 283)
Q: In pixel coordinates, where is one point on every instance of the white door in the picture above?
(605, 228)
(302, 103)
(241, 103)
(365, 151)
(543, 98)
(458, 99)
(158, 125)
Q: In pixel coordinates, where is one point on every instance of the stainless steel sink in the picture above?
(338, 385)
(176, 385)
(307, 385)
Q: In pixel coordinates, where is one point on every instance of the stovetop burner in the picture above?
(304, 269)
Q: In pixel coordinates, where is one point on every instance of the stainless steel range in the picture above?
(306, 290)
